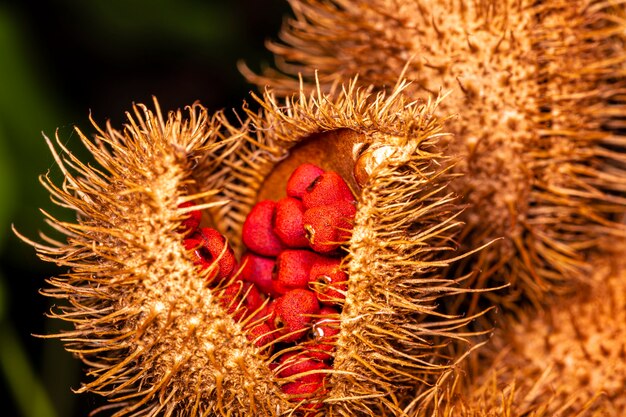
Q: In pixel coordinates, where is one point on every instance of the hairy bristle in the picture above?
(152, 334)
(395, 335)
(568, 360)
(538, 87)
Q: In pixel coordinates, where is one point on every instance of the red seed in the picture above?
(265, 315)
(194, 244)
(278, 288)
(230, 300)
(273, 366)
(323, 335)
(269, 314)
(301, 178)
(293, 268)
(294, 312)
(288, 225)
(260, 335)
(191, 222)
(328, 227)
(258, 234)
(240, 299)
(258, 269)
(294, 363)
(209, 246)
(300, 390)
(328, 280)
(311, 387)
(327, 189)
(253, 297)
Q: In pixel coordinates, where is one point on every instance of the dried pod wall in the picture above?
(152, 335)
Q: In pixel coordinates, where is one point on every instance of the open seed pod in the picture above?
(538, 87)
(158, 334)
(397, 342)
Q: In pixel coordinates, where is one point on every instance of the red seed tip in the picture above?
(288, 224)
(328, 227)
(327, 189)
(260, 335)
(294, 312)
(258, 234)
(301, 178)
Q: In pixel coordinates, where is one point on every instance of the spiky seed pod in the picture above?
(538, 87)
(569, 360)
(158, 341)
(152, 334)
(397, 343)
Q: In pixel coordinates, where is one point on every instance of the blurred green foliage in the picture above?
(59, 61)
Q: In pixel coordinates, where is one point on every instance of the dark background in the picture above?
(59, 61)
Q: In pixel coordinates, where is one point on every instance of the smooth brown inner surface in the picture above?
(331, 151)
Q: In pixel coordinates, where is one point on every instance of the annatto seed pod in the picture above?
(398, 341)
(538, 87)
(149, 323)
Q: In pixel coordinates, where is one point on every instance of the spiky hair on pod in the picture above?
(153, 336)
(538, 87)
(397, 344)
(568, 360)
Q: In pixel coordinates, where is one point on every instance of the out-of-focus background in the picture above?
(59, 61)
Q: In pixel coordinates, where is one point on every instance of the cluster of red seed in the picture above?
(290, 287)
